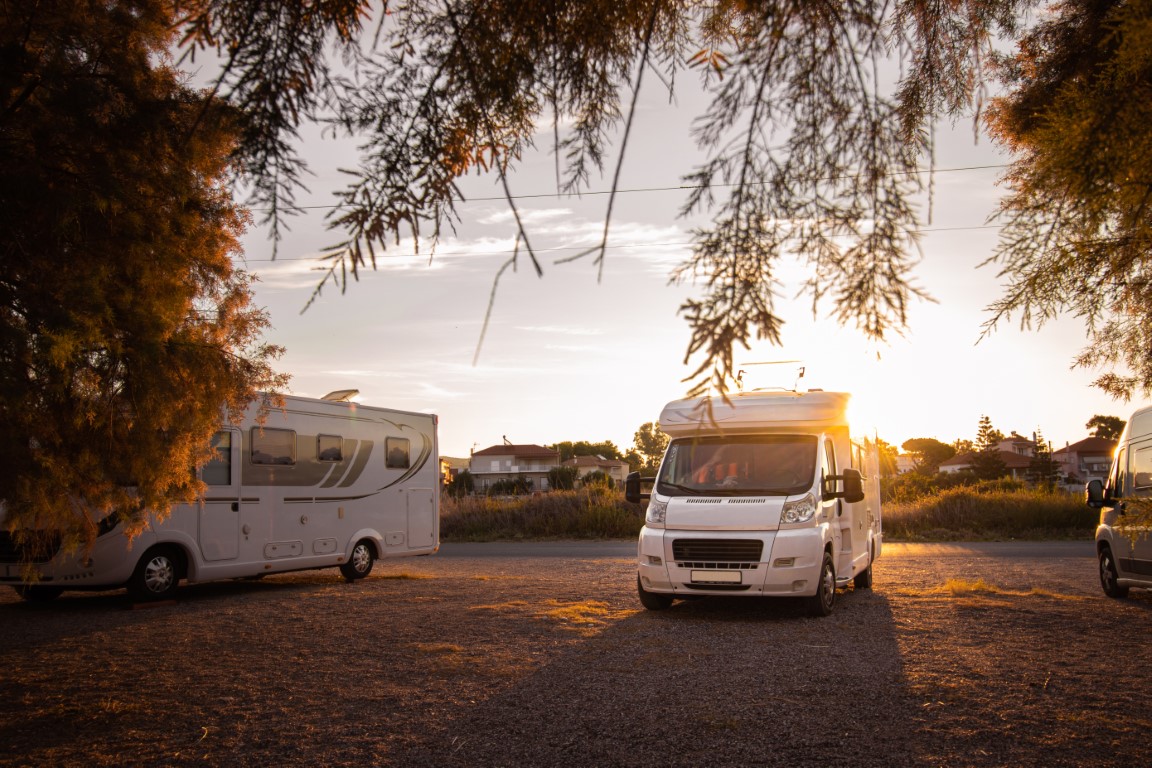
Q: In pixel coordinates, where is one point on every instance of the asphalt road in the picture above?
(617, 549)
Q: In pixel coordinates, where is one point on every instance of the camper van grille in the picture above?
(40, 549)
(717, 553)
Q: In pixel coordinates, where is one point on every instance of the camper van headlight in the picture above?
(799, 511)
(657, 512)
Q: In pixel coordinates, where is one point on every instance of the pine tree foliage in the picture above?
(124, 328)
(820, 121)
(987, 463)
(1077, 226)
(1043, 471)
(812, 141)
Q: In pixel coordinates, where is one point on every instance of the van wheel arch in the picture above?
(1109, 576)
(158, 573)
(360, 560)
(821, 603)
(653, 601)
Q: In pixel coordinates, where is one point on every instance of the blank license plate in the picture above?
(716, 577)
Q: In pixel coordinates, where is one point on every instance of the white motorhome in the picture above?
(321, 483)
(767, 495)
(1124, 535)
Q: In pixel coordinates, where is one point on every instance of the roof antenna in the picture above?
(796, 384)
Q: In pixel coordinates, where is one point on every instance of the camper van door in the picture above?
(219, 535)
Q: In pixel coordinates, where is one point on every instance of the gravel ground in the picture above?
(542, 661)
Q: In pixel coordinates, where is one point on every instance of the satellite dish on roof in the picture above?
(341, 395)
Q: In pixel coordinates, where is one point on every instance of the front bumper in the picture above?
(789, 564)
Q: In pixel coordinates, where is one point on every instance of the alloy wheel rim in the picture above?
(360, 558)
(158, 575)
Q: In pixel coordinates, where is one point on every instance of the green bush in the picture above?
(986, 512)
(562, 478)
(589, 513)
(513, 486)
(597, 477)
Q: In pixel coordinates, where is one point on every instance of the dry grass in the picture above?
(967, 587)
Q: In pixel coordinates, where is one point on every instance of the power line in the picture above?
(618, 246)
(645, 190)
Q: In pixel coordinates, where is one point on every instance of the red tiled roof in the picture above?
(519, 451)
(1095, 445)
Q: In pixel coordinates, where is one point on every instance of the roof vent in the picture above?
(341, 395)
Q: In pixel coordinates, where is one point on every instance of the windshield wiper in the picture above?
(685, 489)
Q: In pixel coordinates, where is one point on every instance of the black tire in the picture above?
(863, 580)
(1109, 578)
(157, 575)
(821, 603)
(37, 593)
(653, 601)
(360, 562)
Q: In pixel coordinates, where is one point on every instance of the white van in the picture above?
(322, 483)
(1124, 535)
(766, 496)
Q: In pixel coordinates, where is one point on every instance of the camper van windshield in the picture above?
(777, 465)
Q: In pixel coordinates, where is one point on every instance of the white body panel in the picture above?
(706, 534)
(354, 473)
(1126, 518)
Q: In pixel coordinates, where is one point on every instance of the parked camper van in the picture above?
(322, 483)
(1124, 535)
(768, 496)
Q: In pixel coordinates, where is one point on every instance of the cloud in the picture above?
(568, 330)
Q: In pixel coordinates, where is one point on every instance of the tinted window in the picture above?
(218, 470)
(396, 452)
(273, 446)
(329, 448)
(1140, 461)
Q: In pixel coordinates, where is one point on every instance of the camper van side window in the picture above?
(273, 446)
(1140, 458)
(396, 453)
(218, 470)
(329, 448)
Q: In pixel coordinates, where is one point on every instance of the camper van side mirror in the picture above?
(853, 486)
(632, 488)
(1094, 494)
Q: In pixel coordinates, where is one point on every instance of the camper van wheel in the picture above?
(360, 562)
(821, 603)
(157, 575)
(653, 601)
(863, 580)
(1109, 579)
(37, 593)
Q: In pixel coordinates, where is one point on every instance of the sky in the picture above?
(579, 356)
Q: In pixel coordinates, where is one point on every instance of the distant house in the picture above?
(451, 467)
(614, 468)
(1015, 463)
(507, 462)
(1017, 444)
(1086, 460)
(905, 463)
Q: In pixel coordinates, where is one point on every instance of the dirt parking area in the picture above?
(538, 659)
